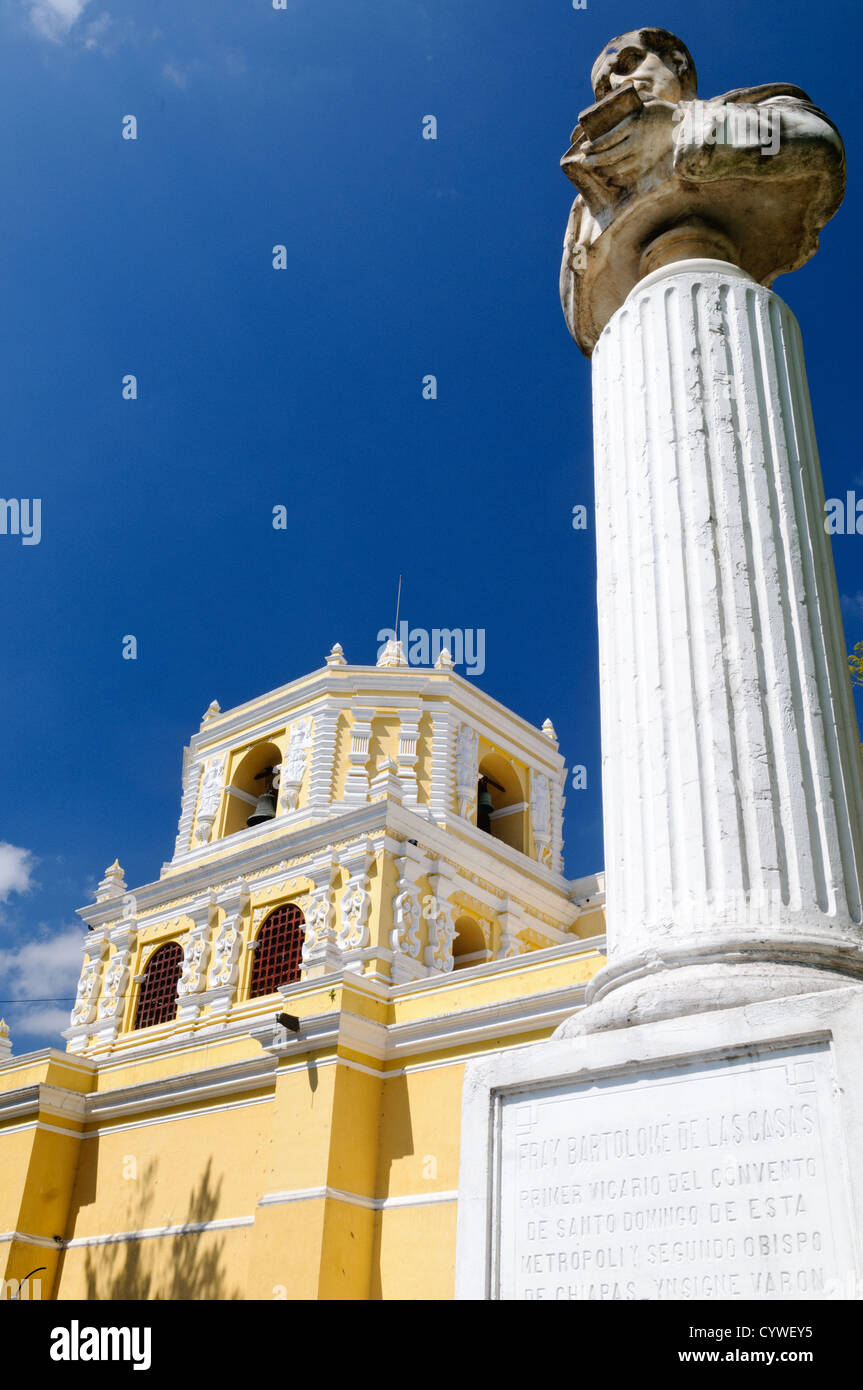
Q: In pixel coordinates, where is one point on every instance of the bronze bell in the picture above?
(266, 806)
(265, 809)
(484, 806)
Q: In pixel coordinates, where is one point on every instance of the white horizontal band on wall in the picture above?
(188, 1228)
(227, 1223)
(312, 1194)
(44, 1242)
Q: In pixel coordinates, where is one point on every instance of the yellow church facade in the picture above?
(261, 1092)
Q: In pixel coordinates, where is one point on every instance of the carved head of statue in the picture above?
(657, 63)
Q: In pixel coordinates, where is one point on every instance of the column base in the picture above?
(659, 985)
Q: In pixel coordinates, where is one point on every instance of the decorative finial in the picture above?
(336, 656)
(393, 654)
(213, 708)
(113, 885)
(4, 1028)
(5, 1041)
(548, 730)
(444, 661)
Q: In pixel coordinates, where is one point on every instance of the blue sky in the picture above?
(303, 387)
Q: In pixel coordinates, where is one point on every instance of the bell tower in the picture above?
(261, 1091)
(411, 824)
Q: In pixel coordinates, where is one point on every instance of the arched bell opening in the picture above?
(469, 944)
(251, 796)
(500, 803)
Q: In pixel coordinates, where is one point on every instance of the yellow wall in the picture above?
(341, 1132)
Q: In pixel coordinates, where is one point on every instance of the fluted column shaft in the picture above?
(731, 763)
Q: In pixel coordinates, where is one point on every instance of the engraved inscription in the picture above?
(722, 1179)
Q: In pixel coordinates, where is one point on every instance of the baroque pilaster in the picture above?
(441, 798)
(440, 915)
(409, 725)
(196, 953)
(183, 841)
(325, 729)
(406, 935)
(224, 965)
(357, 779)
(320, 946)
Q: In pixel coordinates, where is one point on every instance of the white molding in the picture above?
(187, 1228)
(43, 1242)
(102, 1131)
(25, 1100)
(336, 1194)
(499, 1019)
(529, 962)
(83, 1065)
(233, 1078)
(350, 682)
(49, 1129)
(514, 874)
(232, 1223)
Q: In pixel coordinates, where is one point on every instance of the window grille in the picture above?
(157, 1001)
(278, 952)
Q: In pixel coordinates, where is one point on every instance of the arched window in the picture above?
(278, 951)
(157, 1002)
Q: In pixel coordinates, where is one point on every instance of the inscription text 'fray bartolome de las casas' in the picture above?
(715, 1199)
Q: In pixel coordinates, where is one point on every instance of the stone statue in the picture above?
(749, 177)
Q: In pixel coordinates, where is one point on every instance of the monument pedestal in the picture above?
(707, 1157)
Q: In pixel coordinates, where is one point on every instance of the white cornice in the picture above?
(233, 1078)
(41, 1097)
(517, 875)
(394, 683)
(319, 1033)
(55, 1057)
(591, 946)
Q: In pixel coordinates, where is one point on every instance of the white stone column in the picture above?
(731, 764)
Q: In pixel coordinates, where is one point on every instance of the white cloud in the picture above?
(16, 866)
(98, 33)
(40, 1020)
(54, 18)
(179, 76)
(45, 969)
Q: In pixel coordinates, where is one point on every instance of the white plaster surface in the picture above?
(688, 1159)
(732, 800)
